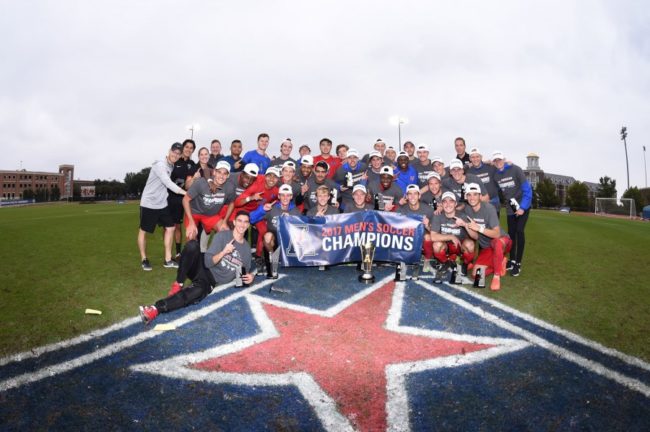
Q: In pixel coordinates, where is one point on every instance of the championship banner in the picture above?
(333, 239)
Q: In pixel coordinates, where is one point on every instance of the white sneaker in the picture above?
(426, 268)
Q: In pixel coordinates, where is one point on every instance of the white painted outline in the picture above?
(58, 368)
(323, 405)
(631, 383)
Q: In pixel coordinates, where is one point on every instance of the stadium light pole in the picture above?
(193, 127)
(645, 168)
(398, 121)
(627, 164)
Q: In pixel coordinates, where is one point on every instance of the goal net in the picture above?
(615, 207)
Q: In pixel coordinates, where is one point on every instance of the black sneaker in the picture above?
(510, 265)
(170, 264)
(463, 270)
(146, 266)
(516, 269)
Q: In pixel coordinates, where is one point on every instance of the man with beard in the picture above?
(404, 173)
(386, 194)
(319, 178)
(241, 182)
(432, 196)
(485, 173)
(482, 224)
(422, 165)
(348, 175)
(228, 254)
(235, 156)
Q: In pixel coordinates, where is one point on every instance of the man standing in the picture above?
(348, 175)
(404, 173)
(319, 178)
(433, 195)
(153, 206)
(332, 161)
(215, 153)
(422, 165)
(485, 173)
(375, 162)
(235, 156)
(386, 194)
(482, 224)
(461, 154)
(285, 153)
(228, 254)
(518, 196)
(458, 179)
(183, 168)
(257, 156)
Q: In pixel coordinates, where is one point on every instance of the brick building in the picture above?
(14, 183)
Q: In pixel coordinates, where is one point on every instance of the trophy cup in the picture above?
(367, 255)
(400, 272)
(275, 263)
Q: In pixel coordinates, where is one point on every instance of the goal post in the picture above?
(615, 207)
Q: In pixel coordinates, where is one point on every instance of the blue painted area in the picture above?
(424, 309)
(530, 390)
(321, 289)
(559, 340)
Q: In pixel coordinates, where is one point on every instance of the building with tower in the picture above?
(13, 184)
(535, 174)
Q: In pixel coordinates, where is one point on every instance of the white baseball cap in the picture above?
(307, 160)
(373, 154)
(353, 153)
(437, 159)
(412, 187)
(456, 163)
(285, 189)
(474, 151)
(222, 164)
(497, 155)
(251, 169)
(402, 154)
(449, 195)
(423, 147)
(359, 187)
(273, 170)
(472, 187)
(386, 170)
(289, 164)
(433, 174)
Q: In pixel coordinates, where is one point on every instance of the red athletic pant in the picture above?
(492, 257)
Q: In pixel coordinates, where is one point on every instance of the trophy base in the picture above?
(367, 278)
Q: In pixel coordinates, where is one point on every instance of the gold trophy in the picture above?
(367, 255)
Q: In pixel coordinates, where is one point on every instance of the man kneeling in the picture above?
(228, 254)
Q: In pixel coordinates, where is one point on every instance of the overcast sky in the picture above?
(108, 86)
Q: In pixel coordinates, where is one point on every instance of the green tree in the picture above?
(606, 188)
(28, 194)
(135, 182)
(578, 196)
(546, 194)
(635, 194)
(56, 193)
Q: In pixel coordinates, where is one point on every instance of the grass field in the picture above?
(583, 273)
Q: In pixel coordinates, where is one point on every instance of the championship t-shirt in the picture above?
(224, 270)
(208, 203)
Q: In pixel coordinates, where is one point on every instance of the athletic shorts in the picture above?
(149, 218)
(208, 222)
(175, 209)
(486, 255)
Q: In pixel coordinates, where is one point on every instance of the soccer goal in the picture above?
(615, 207)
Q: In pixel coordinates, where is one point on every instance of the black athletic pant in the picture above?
(516, 227)
(190, 266)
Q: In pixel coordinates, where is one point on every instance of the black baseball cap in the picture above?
(177, 146)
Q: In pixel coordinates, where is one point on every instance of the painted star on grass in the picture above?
(346, 355)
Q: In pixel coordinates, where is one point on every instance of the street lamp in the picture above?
(398, 121)
(193, 127)
(627, 164)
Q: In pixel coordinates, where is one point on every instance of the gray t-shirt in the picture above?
(279, 162)
(423, 210)
(310, 195)
(443, 225)
(224, 270)
(486, 216)
(510, 181)
(352, 208)
(486, 174)
(273, 217)
(330, 211)
(205, 202)
(458, 188)
(423, 171)
(341, 177)
(392, 195)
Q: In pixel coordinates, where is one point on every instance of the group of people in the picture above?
(460, 204)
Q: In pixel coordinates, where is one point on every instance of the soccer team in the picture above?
(460, 204)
